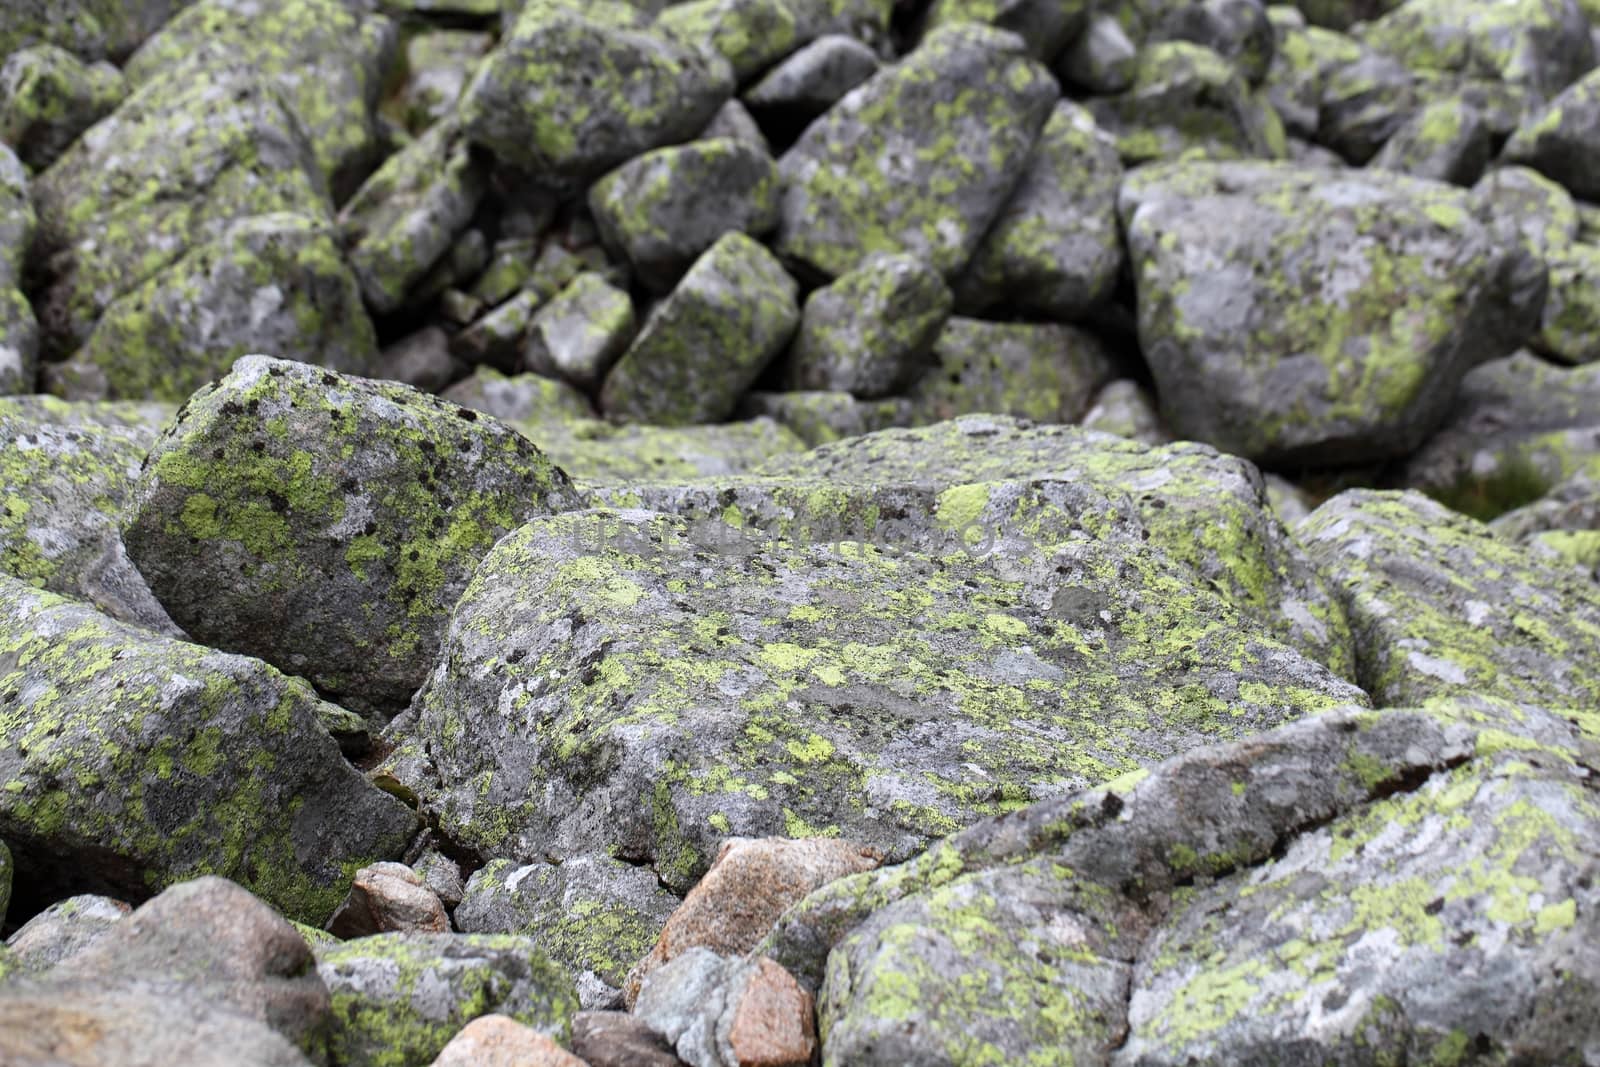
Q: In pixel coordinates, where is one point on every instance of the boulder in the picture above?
(1448, 140)
(581, 332)
(64, 929)
(730, 1013)
(812, 80)
(1558, 140)
(1043, 372)
(1541, 44)
(48, 96)
(500, 1041)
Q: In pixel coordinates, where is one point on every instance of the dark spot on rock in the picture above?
(427, 446)
(467, 413)
(329, 379)
(232, 408)
(370, 528)
(1111, 805)
(1434, 906)
(414, 555)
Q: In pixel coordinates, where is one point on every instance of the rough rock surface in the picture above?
(64, 929)
(336, 564)
(730, 1013)
(389, 897)
(1410, 292)
(1043, 372)
(48, 97)
(614, 713)
(500, 1041)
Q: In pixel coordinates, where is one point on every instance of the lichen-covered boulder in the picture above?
(599, 453)
(728, 1012)
(92, 29)
(19, 344)
(707, 342)
(1293, 315)
(1529, 207)
(1185, 99)
(1304, 58)
(1361, 887)
(1561, 141)
(17, 218)
(629, 682)
(810, 81)
(341, 518)
(749, 34)
(1440, 607)
(1364, 102)
(184, 158)
(1048, 373)
(48, 96)
(398, 999)
(204, 973)
(329, 59)
(593, 915)
(64, 929)
(580, 333)
(1103, 59)
(1563, 525)
(661, 210)
(530, 399)
(1570, 329)
(575, 90)
(918, 159)
(1055, 249)
(820, 416)
(438, 65)
(271, 283)
(1237, 30)
(1044, 25)
(1541, 44)
(1520, 427)
(868, 332)
(1127, 409)
(1449, 140)
(409, 212)
(132, 761)
(981, 484)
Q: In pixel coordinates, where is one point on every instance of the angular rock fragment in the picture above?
(272, 283)
(1126, 409)
(183, 159)
(811, 81)
(1295, 316)
(389, 897)
(575, 90)
(1054, 250)
(868, 333)
(530, 399)
(801, 691)
(581, 332)
(1525, 204)
(1302, 62)
(93, 29)
(661, 210)
(1561, 141)
(730, 1013)
(341, 518)
(1540, 44)
(1570, 328)
(400, 998)
(592, 915)
(1449, 140)
(48, 97)
(819, 417)
(1237, 30)
(705, 344)
(1563, 525)
(1103, 59)
(19, 344)
(500, 1041)
(617, 1039)
(132, 761)
(919, 158)
(64, 929)
(439, 64)
(749, 34)
(1044, 25)
(1047, 373)
(1365, 102)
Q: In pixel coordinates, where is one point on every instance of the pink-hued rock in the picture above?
(499, 1041)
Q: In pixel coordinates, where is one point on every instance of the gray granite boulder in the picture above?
(1440, 607)
(48, 96)
(1561, 140)
(811, 81)
(341, 519)
(587, 700)
(818, 417)
(706, 343)
(1048, 373)
(1541, 44)
(1294, 316)
(918, 159)
(581, 332)
(1448, 140)
(64, 929)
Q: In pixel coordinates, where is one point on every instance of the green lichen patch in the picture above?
(131, 761)
(398, 999)
(340, 519)
(1539, 44)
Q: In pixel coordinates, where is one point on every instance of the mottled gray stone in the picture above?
(48, 97)
(819, 417)
(64, 929)
(1102, 59)
(1044, 372)
(1237, 30)
(1561, 141)
(1448, 140)
(581, 332)
(1540, 44)
(812, 80)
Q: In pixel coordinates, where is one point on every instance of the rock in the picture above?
(868, 333)
(1047, 373)
(1302, 62)
(592, 90)
(400, 998)
(662, 210)
(1187, 99)
(812, 80)
(498, 1041)
(748, 886)
(820, 417)
(17, 219)
(918, 159)
(66, 485)
(404, 219)
(19, 344)
(777, 699)
(526, 399)
(216, 750)
(64, 929)
(617, 1039)
(730, 1013)
(438, 64)
(421, 360)
(1520, 427)
(581, 333)
(1439, 607)
(1103, 60)
(92, 29)
(1004, 478)
(734, 122)
(1571, 321)
(1563, 525)
(1560, 140)
(749, 34)
(1247, 884)
(1237, 30)
(328, 58)
(442, 875)
(705, 344)
(271, 283)
(1124, 408)
(592, 915)
(1540, 44)
(1528, 206)
(339, 565)
(1055, 249)
(6, 875)
(48, 97)
(1296, 318)
(388, 897)
(1044, 25)
(1364, 103)
(148, 183)
(1447, 141)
